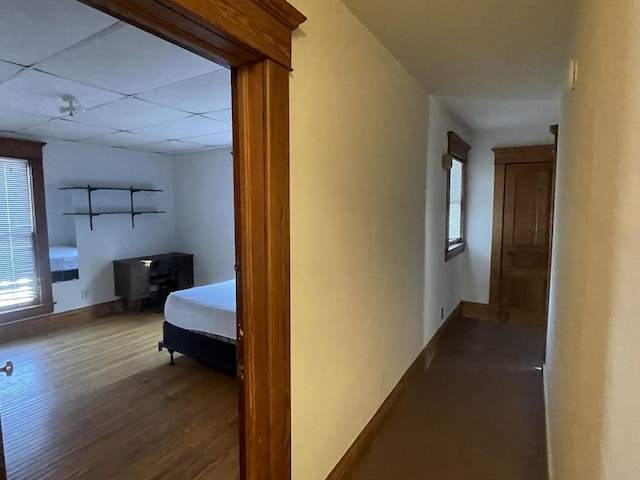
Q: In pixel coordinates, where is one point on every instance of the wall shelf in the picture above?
(131, 211)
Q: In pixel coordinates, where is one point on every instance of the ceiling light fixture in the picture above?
(72, 105)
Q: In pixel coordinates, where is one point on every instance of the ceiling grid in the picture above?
(133, 89)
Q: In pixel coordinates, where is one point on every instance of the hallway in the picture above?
(476, 414)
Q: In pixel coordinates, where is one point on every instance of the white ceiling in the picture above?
(137, 91)
(491, 50)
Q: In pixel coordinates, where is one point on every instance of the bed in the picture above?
(200, 322)
(64, 263)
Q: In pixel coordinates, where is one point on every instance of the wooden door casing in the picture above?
(254, 38)
(522, 233)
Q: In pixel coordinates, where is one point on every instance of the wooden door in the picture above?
(523, 224)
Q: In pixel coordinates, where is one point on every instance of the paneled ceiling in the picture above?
(134, 90)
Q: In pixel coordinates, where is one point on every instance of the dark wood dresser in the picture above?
(154, 276)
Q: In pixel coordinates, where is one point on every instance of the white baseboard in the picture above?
(546, 419)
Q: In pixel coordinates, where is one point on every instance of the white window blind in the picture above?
(18, 271)
(455, 201)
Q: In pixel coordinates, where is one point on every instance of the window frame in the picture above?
(32, 152)
(457, 149)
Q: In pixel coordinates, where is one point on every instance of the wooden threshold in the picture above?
(422, 362)
(58, 321)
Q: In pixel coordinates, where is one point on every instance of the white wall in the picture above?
(203, 193)
(480, 173)
(592, 352)
(359, 126)
(442, 279)
(72, 163)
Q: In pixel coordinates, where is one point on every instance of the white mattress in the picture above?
(210, 309)
(63, 258)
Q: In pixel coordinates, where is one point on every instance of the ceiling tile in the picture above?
(129, 61)
(8, 70)
(122, 139)
(67, 130)
(11, 120)
(40, 93)
(221, 115)
(170, 146)
(196, 95)
(32, 30)
(128, 114)
(224, 139)
(193, 126)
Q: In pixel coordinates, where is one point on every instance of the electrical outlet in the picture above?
(84, 293)
(441, 313)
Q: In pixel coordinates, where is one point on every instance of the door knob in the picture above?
(8, 369)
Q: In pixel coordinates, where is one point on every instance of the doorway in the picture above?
(522, 234)
(255, 41)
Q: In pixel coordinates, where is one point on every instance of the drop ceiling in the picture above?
(134, 90)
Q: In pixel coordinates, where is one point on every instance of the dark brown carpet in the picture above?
(476, 414)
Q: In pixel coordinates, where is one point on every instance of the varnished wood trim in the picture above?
(496, 239)
(422, 362)
(261, 158)
(457, 146)
(18, 148)
(231, 32)
(532, 154)
(478, 311)
(44, 324)
(32, 152)
(504, 157)
(284, 11)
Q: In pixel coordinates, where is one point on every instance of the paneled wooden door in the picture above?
(522, 271)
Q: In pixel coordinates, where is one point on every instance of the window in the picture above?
(455, 162)
(25, 283)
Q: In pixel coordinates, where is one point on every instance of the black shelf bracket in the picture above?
(132, 190)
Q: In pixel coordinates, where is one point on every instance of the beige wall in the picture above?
(593, 354)
(358, 164)
(203, 201)
(442, 279)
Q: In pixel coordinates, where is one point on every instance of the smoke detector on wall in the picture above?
(72, 105)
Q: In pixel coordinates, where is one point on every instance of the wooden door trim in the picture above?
(532, 154)
(504, 157)
(253, 37)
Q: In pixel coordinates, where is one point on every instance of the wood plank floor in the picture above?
(476, 414)
(100, 402)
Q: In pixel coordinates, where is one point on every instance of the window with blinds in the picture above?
(18, 268)
(456, 176)
(455, 162)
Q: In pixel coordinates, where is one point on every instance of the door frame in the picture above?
(504, 157)
(253, 37)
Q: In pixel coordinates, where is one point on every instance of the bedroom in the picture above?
(147, 152)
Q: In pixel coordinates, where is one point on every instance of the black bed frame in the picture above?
(208, 350)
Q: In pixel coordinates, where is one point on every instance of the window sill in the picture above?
(24, 313)
(454, 250)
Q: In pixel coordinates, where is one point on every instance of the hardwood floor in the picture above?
(476, 414)
(100, 402)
